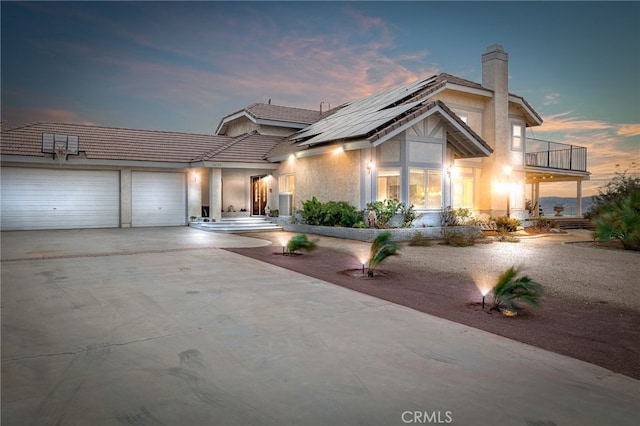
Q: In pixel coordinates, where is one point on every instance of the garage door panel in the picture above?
(59, 199)
(158, 199)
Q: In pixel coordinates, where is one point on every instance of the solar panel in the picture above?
(364, 115)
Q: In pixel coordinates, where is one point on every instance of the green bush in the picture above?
(619, 187)
(386, 210)
(332, 213)
(312, 212)
(620, 219)
(383, 247)
(301, 242)
(511, 289)
(616, 211)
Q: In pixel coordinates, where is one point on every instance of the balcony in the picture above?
(554, 155)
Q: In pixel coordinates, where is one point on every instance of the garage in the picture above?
(36, 198)
(158, 199)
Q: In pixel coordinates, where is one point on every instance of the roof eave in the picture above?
(482, 148)
(533, 119)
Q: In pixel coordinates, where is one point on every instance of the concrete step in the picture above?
(237, 225)
(572, 222)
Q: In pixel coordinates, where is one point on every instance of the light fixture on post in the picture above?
(507, 171)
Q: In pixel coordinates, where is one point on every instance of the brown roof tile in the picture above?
(108, 143)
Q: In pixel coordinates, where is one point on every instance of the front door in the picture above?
(258, 195)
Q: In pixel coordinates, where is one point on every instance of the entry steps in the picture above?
(572, 222)
(238, 225)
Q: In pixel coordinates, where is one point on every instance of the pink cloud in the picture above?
(629, 130)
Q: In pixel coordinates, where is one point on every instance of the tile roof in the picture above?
(257, 112)
(248, 148)
(373, 114)
(283, 113)
(108, 143)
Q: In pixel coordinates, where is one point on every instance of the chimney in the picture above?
(495, 76)
(495, 69)
(496, 127)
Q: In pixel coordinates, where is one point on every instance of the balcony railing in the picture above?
(554, 155)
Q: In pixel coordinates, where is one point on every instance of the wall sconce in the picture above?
(194, 175)
(370, 166)
(339, 150)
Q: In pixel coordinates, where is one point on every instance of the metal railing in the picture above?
(554, 155)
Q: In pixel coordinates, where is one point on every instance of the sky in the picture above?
(183, 66)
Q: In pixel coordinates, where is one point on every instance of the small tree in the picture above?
(620, 186)
(620, 219)
(301, 242)
(383, 246)
(511, 289)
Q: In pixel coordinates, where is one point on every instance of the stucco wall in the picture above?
(328, 177)
(236, 189)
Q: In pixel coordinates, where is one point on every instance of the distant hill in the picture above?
(569, 204)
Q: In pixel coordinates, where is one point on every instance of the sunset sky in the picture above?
(183, 66)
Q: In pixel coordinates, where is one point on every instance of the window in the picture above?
(516, 137)
(389, 184)
(425, 188)
(463, 192)
(286, 183)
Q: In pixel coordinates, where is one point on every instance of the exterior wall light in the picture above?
(370, 166)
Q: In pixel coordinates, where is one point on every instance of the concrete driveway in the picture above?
(159, 326)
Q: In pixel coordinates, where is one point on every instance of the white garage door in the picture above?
(158, 199)
(59, 199)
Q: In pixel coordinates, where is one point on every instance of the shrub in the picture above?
(386, 210)
(332, 213)
(301, 242)
(457, 239)
(449, 217)
(508, 224)
(312, 211)
(620, 186)
(543, 222)
(506, 237)
(511, 289)
(419, 240)
(620, 219)
(381, 248)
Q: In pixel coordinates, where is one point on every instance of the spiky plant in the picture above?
(383, 246)
(511, 289)
(301, 242)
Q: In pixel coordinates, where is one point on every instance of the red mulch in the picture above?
(597, 333)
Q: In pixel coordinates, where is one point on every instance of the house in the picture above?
(436, 142)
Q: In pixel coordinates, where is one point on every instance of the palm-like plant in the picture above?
(511, 289)
(301, 242)
(383, 246)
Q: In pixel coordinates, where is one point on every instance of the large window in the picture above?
(463, 192)
(425, 188)
(389, 184)
(286, 183)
